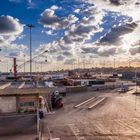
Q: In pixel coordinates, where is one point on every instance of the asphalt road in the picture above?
(117, 117)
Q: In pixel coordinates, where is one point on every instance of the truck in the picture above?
(56, 100)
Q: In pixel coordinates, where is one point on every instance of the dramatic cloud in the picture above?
(105, 52)
(126, 7)
(76, 31)
(10, 31)
(66, 53)
(81, 30)
(90, 50)
(60, 58)
(49, 32)
(116, 2)
(69, 61)
(77, 10)
(114, 35)
(120, 2)
(134, 50)
(10, 26)
(124, 2)
(90, 30)
(132, 39)
(13, 54)
(54, 7)
(100, 51)
(50, 20)
(18, 54)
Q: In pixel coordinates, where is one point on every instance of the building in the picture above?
(18, 100)
(18, 110)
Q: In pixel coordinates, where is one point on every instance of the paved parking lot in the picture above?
(115, 118)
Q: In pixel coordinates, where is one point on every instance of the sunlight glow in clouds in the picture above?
(75, 29)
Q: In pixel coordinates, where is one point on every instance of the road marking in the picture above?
(96, 103)
(76, 132)
(5, 85)
(84, 102)
(126, 125)
(22, 85)
(103, 130)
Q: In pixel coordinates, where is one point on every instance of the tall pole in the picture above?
(7, 67)
(83, 62)
(41, 67)
(35, 66)
(24, 63)
(30, 28)
(0, 62)
(30, 50)
(0, 51)
(129, 62)
(139, 46)
(137, 82)
(104, 64)
(114, 62)
(15, 67)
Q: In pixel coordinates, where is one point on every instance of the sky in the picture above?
(94, 32)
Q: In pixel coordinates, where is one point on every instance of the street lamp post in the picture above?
(114, 63)
(7, 67)
(41, 67)
(30, 27)
(24, 64)
(0, 51)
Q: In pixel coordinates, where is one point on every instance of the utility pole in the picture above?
(41, 66)
(30, 26)
(0, 51)
(0, 61)
(114, 62)
(104, 63)
(139, 46)
(15, 67)
(7, 67)
(84, 62)
(24, 64)
(136, 87)
(129, 62)
(35, 66)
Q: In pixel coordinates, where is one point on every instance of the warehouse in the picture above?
(21, 100)
(18, 107)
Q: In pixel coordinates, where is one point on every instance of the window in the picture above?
(27, 104)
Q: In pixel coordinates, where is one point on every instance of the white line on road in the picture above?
(84, 102)
(76, 132)
(127, 125)
(22, 85)
(103, 130)
(96, 103)
(5, 85)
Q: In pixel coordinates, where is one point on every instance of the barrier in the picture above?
(76, 89)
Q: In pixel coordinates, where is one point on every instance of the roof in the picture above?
(25, 91)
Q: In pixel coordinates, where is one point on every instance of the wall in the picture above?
(7, 104)
(75, 89)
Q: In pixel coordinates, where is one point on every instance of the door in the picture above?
(7, 104)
